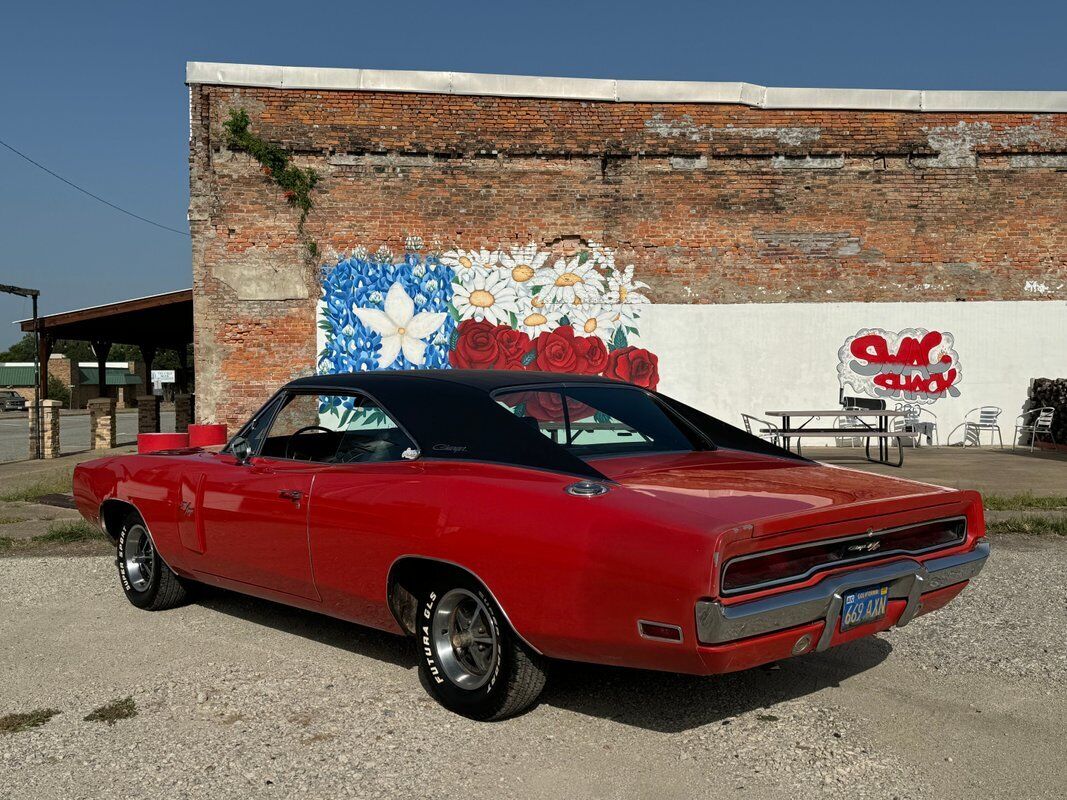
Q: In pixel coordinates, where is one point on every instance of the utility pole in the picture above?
(33, 294)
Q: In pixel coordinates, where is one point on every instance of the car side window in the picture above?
(591, 421)
(256, 430)
(334, 429)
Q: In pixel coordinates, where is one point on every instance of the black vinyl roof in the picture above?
(452, 414)
(487, 380)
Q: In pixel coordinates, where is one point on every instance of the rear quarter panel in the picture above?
(573, 574)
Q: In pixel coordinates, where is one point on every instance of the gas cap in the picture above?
(587, 489)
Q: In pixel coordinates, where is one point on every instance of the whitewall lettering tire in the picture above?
(470, 660)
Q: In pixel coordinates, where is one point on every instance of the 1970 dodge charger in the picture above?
(505, 519)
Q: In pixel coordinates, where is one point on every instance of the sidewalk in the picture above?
(990, 470)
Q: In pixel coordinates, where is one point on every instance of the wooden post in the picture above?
(183, 371)
(148, 354)
(44, 352)
(101, 350)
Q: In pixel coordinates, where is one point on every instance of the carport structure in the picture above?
(160, 321)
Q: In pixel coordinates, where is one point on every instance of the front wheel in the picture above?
(470, 660)
(146, 580)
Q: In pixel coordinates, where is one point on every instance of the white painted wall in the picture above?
(729, 359)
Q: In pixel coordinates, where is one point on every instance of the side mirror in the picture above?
(241, 450)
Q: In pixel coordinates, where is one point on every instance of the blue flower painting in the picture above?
(378, 314)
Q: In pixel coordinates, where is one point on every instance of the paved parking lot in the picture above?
(73, 432)
(243, 698)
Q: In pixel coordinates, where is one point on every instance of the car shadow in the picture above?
(663, 702)
(670, 703)
(332, 632)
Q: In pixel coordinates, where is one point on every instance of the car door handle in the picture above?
(292, 494)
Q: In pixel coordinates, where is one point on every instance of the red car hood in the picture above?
(729, 487)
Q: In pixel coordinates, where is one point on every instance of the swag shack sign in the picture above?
(914, 365)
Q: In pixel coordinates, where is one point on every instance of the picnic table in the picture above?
(878, 429)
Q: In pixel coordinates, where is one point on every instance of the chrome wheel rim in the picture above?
(140, 558)
(466, 639)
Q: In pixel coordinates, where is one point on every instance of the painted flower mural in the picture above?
(513, 308)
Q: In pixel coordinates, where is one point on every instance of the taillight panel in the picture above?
(795, 563)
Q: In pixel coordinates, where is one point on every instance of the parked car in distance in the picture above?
(11, 400)
(504, 520)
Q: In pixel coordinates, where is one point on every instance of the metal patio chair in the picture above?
(767, 431)
(914, 422)
(984, 418)
(1039, 424)
(851, 422)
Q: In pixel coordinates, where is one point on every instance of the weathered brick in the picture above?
(712, 203)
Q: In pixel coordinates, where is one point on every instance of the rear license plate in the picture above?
(863, 605)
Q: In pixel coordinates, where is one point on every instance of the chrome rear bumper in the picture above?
(908, 580)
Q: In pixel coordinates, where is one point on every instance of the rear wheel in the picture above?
(146, 580)
(470, 660)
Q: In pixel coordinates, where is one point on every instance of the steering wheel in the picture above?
(305, 429)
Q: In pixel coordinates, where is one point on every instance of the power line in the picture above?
(86, 191)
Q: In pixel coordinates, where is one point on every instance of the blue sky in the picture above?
(95, 90)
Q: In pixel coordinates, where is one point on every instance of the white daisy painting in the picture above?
(491, 297)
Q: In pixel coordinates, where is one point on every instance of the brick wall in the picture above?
(712, 203)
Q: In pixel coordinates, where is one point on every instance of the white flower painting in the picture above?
(492, 297)
(401, 329)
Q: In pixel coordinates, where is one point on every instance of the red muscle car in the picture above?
(505, 519)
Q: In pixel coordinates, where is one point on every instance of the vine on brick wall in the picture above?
(277, 162)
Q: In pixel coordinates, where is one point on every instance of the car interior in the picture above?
(338, 430)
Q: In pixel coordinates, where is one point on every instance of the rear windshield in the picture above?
(597, 421)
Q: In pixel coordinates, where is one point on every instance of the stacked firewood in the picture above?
(1051, 392)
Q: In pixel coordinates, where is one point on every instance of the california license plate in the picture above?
(863, 605)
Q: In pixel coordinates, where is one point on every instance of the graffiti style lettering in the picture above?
(916, 365)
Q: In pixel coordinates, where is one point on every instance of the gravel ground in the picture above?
(251, 699)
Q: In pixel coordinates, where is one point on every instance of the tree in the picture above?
(23, 350)
(57, 391)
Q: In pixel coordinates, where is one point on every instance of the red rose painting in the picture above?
(555, 351)
(592, 354)
(634, 365)
(477, 347)
(513, 346)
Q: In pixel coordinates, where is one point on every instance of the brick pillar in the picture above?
(183, 412)
(148, 413)
(102, 423)
(49, 429)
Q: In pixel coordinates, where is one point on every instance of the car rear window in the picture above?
(597, 421)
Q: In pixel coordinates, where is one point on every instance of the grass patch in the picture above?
(70, 532)
(114, 711)
(1033, 526)
(1017, 502)
(16, 723)
(75, 530)
(59, 483)
(9, 520)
